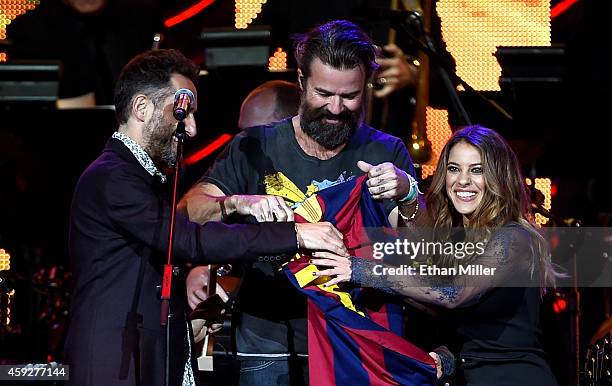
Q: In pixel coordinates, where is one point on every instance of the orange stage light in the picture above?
(278, 61)
(473, 29)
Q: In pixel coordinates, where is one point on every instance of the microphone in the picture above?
(183, 103)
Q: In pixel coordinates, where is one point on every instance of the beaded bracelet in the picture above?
(412, 216)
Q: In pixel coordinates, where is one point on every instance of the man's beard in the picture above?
(159, 141)
(328, 135)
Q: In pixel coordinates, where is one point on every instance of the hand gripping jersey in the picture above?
(354, 336)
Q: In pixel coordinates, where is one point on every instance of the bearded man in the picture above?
(119, 226)
(266, 170)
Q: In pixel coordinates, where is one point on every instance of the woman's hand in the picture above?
(339, 266)
(438, 361)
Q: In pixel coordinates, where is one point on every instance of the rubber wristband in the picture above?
(410, 196)
(414, 189)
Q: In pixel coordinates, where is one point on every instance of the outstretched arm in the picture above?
(206, 202)
(507, 255)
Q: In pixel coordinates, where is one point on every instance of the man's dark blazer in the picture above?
(118, 227)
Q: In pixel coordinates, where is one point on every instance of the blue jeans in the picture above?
(292, 372)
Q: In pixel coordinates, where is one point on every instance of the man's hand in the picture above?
(385, 180)
(262, 207)
(396, 71)
(200, 328)
(321, 236)
(197, 282)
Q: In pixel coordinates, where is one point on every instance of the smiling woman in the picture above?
(464, 181)
(478, 182)
(492, 323)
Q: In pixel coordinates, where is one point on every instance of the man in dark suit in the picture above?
(119, 233)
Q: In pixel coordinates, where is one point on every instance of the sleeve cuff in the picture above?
(286, 236)
(363, 274)
(448, 360)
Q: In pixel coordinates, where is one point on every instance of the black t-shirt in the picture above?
(269, 160)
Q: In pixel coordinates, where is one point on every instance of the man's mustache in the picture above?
(344, 116)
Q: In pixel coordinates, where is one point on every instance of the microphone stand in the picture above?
(169, 271)
(447, 74)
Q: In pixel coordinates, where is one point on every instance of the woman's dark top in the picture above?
(493, 321)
